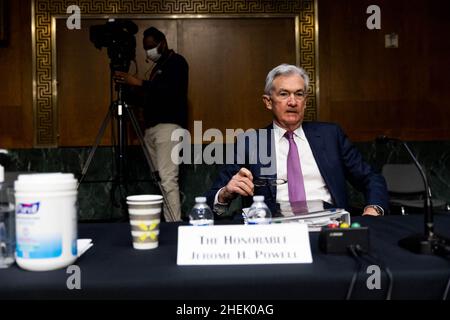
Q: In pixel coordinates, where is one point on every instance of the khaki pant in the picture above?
(160, 146)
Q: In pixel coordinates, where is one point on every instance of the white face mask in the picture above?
(153, 54)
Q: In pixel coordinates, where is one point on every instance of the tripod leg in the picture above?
(119, 187)
(95, 146)
(149, 162)
(122, 137)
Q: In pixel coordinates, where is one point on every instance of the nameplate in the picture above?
(243, 244)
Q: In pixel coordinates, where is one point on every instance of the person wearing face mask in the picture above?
(164, 99)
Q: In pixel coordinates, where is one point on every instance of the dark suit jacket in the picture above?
(337, 158)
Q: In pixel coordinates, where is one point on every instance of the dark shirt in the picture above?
(165, 92)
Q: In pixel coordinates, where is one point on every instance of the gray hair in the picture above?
(284, 70)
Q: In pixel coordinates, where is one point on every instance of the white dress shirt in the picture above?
(315, 187)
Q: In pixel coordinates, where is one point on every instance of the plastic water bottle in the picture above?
(201, 214)
(259, 213)
(7, 224)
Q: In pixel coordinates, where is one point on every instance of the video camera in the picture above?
(118, 37)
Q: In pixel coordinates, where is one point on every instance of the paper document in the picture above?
(314, 219)
(83, 245)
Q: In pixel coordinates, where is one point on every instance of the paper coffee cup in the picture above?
(145, 217)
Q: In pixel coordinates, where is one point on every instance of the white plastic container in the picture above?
(46, 221)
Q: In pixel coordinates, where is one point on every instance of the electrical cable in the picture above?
(359, 253)
(354, 255)
(447, 288)
(444, 252)
(374, 259)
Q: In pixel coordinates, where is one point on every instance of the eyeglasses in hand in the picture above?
(266, 181)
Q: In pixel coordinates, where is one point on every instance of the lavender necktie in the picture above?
(296, 185)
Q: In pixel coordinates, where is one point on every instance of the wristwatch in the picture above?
(378, 209)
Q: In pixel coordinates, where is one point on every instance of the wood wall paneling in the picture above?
(368, 89)
(42, 112)
(371, 90)
(228, 59)
(16, 111)
(83, 85)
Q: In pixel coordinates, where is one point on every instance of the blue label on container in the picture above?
(44, 248)
(74, 247)
(28, 208)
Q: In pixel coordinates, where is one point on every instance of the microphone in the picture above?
(429, 242)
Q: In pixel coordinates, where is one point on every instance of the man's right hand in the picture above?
(125, 78)
(240, 184)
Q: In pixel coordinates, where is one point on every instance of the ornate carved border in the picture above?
(43, 11)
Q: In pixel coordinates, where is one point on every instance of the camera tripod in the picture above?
(121, 111)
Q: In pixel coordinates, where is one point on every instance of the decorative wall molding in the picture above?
(43, 33)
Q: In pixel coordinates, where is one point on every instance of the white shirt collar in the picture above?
(279, 132)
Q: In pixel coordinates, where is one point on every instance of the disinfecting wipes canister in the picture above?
(46, 221)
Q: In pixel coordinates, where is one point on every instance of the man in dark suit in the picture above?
(315, 158)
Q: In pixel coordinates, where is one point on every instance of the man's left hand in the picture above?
(370, 212)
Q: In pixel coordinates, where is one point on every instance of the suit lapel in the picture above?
(319, 150)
